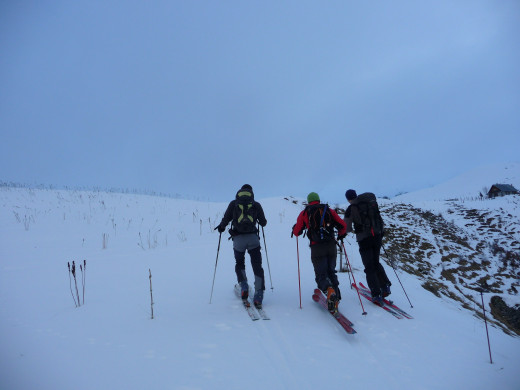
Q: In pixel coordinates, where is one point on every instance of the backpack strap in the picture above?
(322, 219)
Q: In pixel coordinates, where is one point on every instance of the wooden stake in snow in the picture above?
(151, 295)
(83, 277)
(75, 281)
(485, 322)
(70, 285)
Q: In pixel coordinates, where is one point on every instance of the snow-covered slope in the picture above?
(468, 185)
(110, 342)
(458, 242)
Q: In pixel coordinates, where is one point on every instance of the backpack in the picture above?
(321, 223)
(368, 210)
(244, 213)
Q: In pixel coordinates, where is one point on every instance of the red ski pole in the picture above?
(298, 258)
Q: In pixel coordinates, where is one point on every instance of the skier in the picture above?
(363, 214)
(244, 213)
(320, 221)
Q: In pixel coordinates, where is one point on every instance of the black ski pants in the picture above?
(323, 256)
(369, 249)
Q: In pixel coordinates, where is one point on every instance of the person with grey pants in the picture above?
(244, 213)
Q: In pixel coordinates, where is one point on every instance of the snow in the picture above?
(111, 342)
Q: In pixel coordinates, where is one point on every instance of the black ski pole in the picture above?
(215, 272)
(267, 258)
(392, 264)
(70, 286)
(485, 322)
(348, 271)
(353, 277)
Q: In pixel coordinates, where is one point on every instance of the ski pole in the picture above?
(392, 264)
(298, 258)
(215, 272)
(353, 277)
(485, 321)
(267, 258)
(349, 278)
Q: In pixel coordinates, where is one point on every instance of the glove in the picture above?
(220, 228)
(341, 237)
(297, 234)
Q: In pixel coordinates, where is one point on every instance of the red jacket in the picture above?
(303, 222)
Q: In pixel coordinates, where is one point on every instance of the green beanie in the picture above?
(312, 197)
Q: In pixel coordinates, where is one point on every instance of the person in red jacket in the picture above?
(320, 221)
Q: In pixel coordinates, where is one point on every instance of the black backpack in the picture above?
(321, 223)
(371, 220)
(244, 213)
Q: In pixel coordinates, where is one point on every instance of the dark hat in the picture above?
(247, 187)
(350, 194)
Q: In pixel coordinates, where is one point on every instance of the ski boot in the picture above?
(386, 291)
(245, 290)
(258, 298)
(332, 300)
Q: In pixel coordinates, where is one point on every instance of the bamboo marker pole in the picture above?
(151, 296)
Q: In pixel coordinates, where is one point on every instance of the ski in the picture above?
(342, 320)
(368, 296)
(247, 304)
(260, 310)
(389, 303)
(262, 313)
(322, 298)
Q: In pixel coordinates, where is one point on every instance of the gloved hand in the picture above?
(292, 232)
(220, 228)
(342, 236)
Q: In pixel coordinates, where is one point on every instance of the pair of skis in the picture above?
(254, 313)
(387, 305)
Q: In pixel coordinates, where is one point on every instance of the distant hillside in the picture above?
(468, 185)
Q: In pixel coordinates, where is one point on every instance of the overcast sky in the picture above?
(200, 97)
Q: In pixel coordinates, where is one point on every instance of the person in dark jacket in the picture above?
(323, 250)
(369, 237)
(244, 213)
